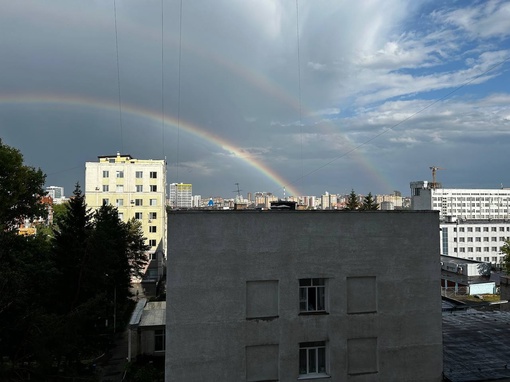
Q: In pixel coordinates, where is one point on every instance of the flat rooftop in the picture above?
(476, 346)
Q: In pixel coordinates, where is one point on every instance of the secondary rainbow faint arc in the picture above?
(150, 114)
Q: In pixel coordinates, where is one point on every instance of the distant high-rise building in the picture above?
(56, 193)
(181, 195)
(137, 187)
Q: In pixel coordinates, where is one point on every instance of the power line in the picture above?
(118, 76)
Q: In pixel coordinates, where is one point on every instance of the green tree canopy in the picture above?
(506, 250)
(352, 202)
(21, 187)
(369, 203)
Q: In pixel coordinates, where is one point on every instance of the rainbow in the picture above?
(170, 121)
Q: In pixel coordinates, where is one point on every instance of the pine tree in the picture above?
(352, 202)
(369, 203)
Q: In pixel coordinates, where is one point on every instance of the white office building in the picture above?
(181, 195)
(474, 223)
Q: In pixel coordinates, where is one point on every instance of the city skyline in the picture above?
(377, 94)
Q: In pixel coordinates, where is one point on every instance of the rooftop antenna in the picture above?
(284, 190)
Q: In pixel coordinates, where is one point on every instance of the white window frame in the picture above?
(153, 175)
(154, 202)
(312, 295)
(313, 359)
(139, 174)
(120, 174)
(138, 215)
(159, 334)
(106, 188)
(106, 174)
(138, 202)
(152, 242)
(119, 202)
(153, 215)
(139, 188)
(153, 188)
(152, 229)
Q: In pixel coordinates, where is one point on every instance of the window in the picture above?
(138, 215)
(139, 174)
(461, 229)
(153, 188)
(106, 173)
(478, 259)
(153, 215)
(154, 202)
(478, 239)
(478, 249)
(494, 249)
(120, 174)
(461, 239)
(312, 295)
(470, 249)
(493, 229)
(120, 188)
(494, 239)
(501, 229)
(494, 259)
(119, 202)
(105, 188)
(153, 175)
(139, 188)
(138, 202)
(454, 249)
(485, 229)
(312, 358)
(477, 229)
(486, 239)
(470, 229)
(486, 249)
(121, 216)
(152, 229)
(502, 238)
(111, 160)
(106, 202)
(470, 239)
(152, 242)
(159, 340)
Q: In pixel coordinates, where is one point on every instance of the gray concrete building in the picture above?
(291, 295)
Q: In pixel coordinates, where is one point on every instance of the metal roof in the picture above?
(154, 314)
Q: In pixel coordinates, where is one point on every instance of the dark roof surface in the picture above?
(476, 346)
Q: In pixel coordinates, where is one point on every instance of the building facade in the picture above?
(181, 195)
(474, 223)
(355, 296)
(56, 193)
(137, 187)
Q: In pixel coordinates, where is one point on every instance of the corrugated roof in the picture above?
(154, 314)
(137, 312)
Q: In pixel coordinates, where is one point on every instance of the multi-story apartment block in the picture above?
(181, 195)
(353, 297)
(328, 201)
(389, 202)
(468, 204)
(474, 223)
(137, 187)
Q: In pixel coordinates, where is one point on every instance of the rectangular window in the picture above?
(152, 242)
(119, 202)
(461, 229)
(494, 259)
(139, 174)
(470, 229)
(478, 249)
(494, 239)
(121, 216)
(106, 173)
(120, 174)
(152, 229)
(470, 249)
(478, 259)
(470, 239)
(312, 358)
(493, 229)
(154, 202)
(138, 215)
(138, 202)
(105, 188)
(153, 188)
(153, 175)
(139, 188)
(501, 229)
(461, 239)
(153, 215)
(494, 249)
(485, 229)
(106, 202)
(486, 239)
(486, 249)
(159, 340)
(477, 229)
(120, 188)
(478, 239)
(312, 295)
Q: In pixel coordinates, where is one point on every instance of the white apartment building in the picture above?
(181, 195)
(468, 204)
(137, 187)
(474, 223)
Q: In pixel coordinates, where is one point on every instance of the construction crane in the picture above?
(239, 198)
(434, 169)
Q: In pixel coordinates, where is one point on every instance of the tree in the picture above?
(506, 250)
(369, 203)
(352, 202)
(21, 187)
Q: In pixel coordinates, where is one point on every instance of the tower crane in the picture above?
(434, 169)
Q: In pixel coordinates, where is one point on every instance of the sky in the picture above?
(293, 98)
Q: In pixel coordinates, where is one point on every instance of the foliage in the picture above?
(369, 203)
(506, 250)
(57, 293)
(352, 202)
(21, 187)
